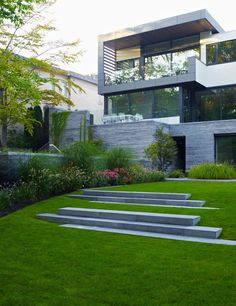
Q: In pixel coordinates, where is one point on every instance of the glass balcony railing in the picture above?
(155, 67)
(123, 76)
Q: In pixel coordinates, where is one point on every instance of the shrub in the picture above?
(5, 198)
(37, 163)
(162, 152)
(81, 155)
(41, 184)
(67, 180)
(212, 171)
(118, 157)
(25, 193)
(117, 176)
(26, 167)
(176, 173)
(16, 140)
(97, 179)
(139, 174)
(58, 126)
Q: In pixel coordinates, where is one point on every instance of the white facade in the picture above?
(88, 100)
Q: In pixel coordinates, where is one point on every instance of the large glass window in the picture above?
(226, 149)
(166, 102)
(210, 104)
(148, 104)
(222, 52)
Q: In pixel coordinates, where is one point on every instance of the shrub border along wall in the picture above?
(10, 162)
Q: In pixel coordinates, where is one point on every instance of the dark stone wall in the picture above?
(200, 142)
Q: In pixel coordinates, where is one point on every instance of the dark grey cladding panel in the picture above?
(134, 135)
(197, 21)
(200, 143)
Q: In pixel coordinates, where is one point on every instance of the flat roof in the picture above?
(165, 29)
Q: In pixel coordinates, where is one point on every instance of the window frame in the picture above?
(217, 135)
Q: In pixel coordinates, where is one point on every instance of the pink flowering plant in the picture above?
(117, 176)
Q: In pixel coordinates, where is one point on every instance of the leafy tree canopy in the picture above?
(16, 10)
(29, 67)
(162, 152)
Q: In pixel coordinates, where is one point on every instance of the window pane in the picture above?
(226, 51)
(157, 66)
(141, 104)
(180, 60)
(228, 97)
(118, 104)
(211, 54)
(166, 102)
(210, 106)
(226, 149)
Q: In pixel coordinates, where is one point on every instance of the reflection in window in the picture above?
(168, 64)
(166, 102)
(141, 103)
(180, 60)
(157, 66)
(210, 107)
(222, 52)
(214, 104)
(228, 98)
(159, 103)
(226, 149)
(118, 104)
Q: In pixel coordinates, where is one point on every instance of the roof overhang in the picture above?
(171, 28)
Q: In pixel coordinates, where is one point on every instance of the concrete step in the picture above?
(132, 194)
(190, 203)
(157, 205)
(152, 235)
(187, 220)
(191, 231)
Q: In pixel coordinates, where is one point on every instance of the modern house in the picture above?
(179, 73)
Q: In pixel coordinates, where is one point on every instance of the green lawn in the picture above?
(44, 264)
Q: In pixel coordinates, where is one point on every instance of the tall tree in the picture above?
(16, 10)
(28, 63)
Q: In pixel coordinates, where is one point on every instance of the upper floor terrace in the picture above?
(154, 54)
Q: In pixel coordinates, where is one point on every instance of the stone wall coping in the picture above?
(29, 154)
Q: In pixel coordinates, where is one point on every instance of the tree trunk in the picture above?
(4, 135)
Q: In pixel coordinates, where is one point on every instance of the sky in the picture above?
(86, 19)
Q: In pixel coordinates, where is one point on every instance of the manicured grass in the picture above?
(44, 264)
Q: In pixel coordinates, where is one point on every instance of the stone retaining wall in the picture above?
(11, 161)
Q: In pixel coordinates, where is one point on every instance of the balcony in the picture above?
(155, 67)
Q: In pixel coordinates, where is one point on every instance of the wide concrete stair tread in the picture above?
(152, 235)
(192, 231)
(131, 216)
(157, 205)
(193, 203)
(138, 194)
